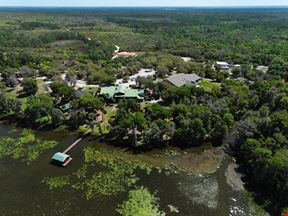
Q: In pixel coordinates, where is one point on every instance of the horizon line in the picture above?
(144, 6)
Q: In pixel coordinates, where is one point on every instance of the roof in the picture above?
(133, 93)
(66, 107)
(121, 92)
(183, 79)
(110, 91)
(61, 157)
(222, 63)
(120, 89)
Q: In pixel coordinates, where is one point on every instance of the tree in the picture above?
(228, 119)
(158, 134)
(156, 111)
(89, 103)
(8, 72)
(2, 85)
(29, 86)
(13, 105)
(11, 81)
(38, 107)
(56, 116)
(25, 71)
(77, 118)
(130, 105)
(162, 71)
(9, 105)
(62, 92)
(99, 51)
(134, 120)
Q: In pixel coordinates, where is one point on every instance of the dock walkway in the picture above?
(76, 142)
(66, 159)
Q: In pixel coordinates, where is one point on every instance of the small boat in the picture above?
(61, 159)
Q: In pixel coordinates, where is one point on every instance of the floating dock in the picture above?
(62, 158)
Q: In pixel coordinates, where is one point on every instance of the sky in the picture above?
(132, 3)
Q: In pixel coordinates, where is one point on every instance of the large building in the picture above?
(182, 79)
(118, 92)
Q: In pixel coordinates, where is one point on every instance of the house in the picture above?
(223, 65)
(120, 91)
(182, 79)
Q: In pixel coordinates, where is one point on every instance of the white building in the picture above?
(223, 65)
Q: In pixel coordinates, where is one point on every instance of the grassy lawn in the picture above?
(41, 88)
(209, 86)
(15, 93)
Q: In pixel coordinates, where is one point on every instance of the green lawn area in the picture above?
(110, 112)
(209, 86)
(41, 88)
(16, 92)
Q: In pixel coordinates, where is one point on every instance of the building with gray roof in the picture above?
(182, 79)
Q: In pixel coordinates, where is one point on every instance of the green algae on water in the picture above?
(57, 182)
(27, 147)
(102, 173)
(141, 203)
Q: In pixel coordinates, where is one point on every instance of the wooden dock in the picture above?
(68, 160)
(77, 142)
(72, 145)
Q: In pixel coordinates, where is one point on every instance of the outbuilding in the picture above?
(61, 158)
(223, 65)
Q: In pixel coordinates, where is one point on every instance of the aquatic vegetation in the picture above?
(106, 183)
(27, 147)
(103, 173)
(118, 174)
(57, 182)
(141, 203)
(114, 160)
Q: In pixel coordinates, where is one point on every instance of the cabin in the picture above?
(61, 159)
(182, 79)
(118, 92)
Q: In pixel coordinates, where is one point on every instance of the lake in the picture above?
(24, 193)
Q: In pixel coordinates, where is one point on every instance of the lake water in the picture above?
(23, 192)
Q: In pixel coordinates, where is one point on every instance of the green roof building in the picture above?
(108, 91)
(122, 92)
(61, 157)
(66, 107)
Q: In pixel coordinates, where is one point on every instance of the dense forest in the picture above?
(246, 103)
